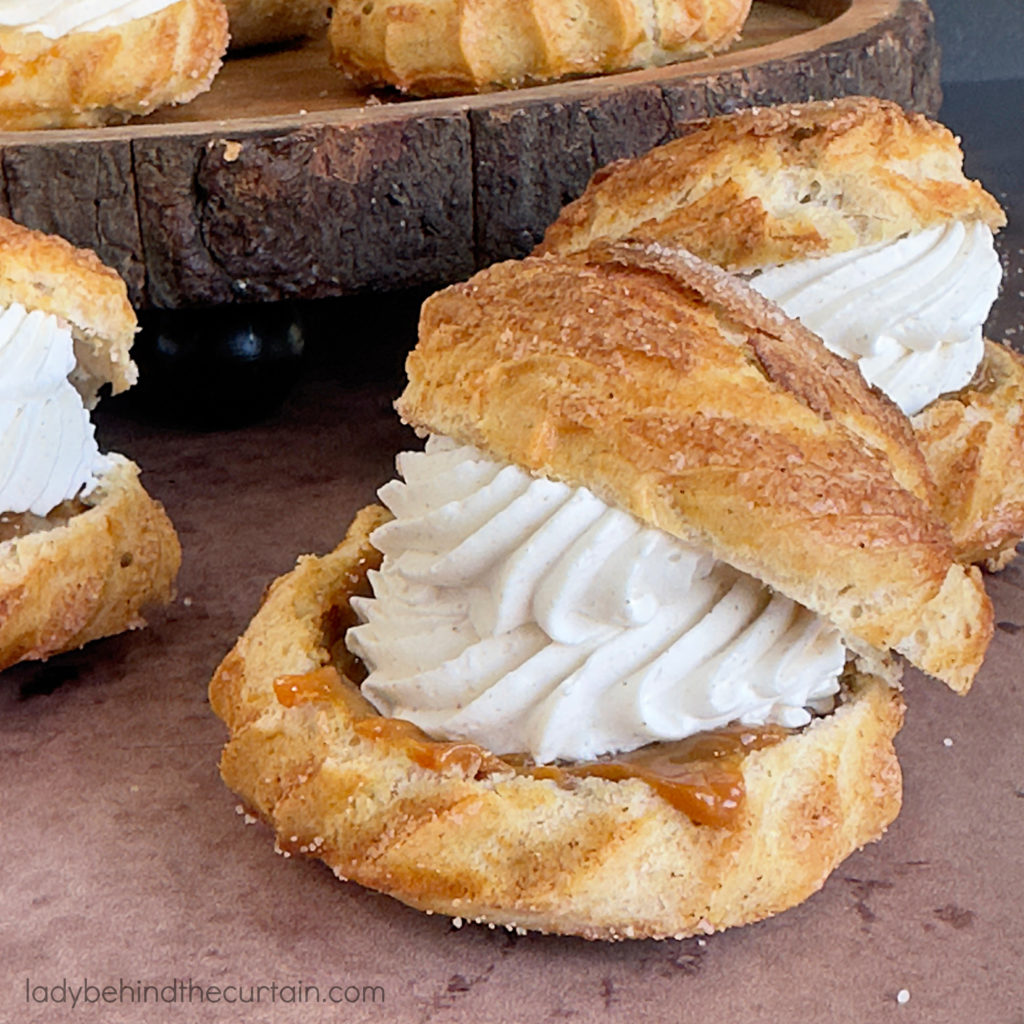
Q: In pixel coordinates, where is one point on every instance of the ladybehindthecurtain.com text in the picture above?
(186, 991)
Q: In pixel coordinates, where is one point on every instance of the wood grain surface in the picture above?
(285, 182)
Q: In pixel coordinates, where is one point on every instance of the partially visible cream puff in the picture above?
(69, 63)
(84, 550)
(425, 47)
(855, 217)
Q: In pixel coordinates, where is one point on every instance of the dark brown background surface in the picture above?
(123, 857)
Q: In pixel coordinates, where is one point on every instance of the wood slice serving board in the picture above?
(285, 182)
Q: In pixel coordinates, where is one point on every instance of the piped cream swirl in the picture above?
(56, 18)
(909, 312)
(529, 616)
(48, 451)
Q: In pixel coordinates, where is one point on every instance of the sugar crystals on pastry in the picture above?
(68, 63)
(614, 660)
(856, 218)
(83, 548)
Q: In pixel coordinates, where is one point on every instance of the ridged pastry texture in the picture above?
(79, 574)
(428, 48)
(766, 187)
(89, 577)
(259, 22)
(673, 391)
(601, 859)
(84, 79)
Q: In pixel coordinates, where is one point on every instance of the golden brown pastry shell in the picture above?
(973, 441)
(91, 577)
(452, 46)
(85, 79)
(601, 859)
(770, 185)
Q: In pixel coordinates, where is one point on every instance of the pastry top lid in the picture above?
(677, 393)
(765, 186)
(45, 272)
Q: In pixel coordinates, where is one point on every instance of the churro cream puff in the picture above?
(424, 48)
(855, 217)
(80, 63)
(83, 548)
(614, 656)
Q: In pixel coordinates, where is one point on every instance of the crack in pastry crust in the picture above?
(603, 859)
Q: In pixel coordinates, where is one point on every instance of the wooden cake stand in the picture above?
(285, 182)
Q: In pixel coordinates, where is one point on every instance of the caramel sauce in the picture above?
(327, 684)
(322, 684)
(701, 776)
(435, 755)
(19, 524)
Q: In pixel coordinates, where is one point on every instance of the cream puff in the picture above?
(427, 48)
(855, 217)
(80, 63)
(615, 658)
(83, 548)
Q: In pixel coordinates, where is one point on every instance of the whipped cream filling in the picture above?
(56, 18)
(529, 616)
(48, 450)
(909, 312)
